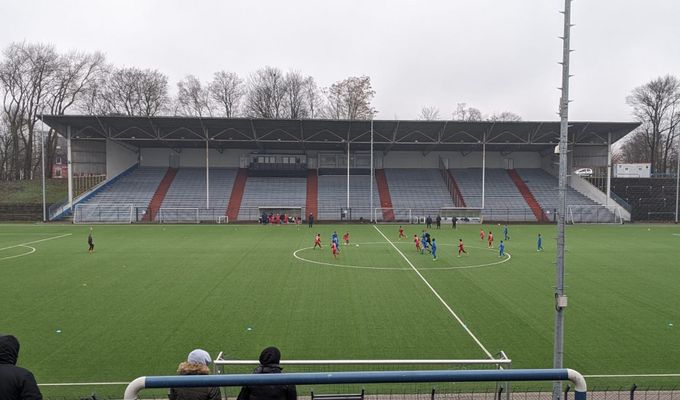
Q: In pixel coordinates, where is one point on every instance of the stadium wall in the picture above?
(119, 158)
(192, 158)
(414, 159)
(88, 157)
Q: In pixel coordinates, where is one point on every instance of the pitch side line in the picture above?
(36, 241)
(634, 376)
(84, 384)
(460, 321)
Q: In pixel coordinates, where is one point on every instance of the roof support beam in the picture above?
(394, 139)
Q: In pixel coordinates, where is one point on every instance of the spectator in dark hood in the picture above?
(196, 364)
(16, 383)
(269, 364)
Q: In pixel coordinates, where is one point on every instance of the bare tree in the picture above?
(25, 75)
(193, 99)
(313, 98)
(76, 73)
(656, 105)
(430, 113)
(465, 113)
(296, 107)
(505, 116)
(351, 99)
(131, 91)
(227, 91)
(266, 94)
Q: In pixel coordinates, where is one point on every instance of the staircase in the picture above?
(312, 194)
(456, 195)
(159, 195)
(385, 198)
(237, 194)
(528, 196)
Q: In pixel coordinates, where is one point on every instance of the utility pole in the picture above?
(560, 297)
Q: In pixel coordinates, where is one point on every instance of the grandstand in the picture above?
(188, 190)
(271, 192)
(333, 196)
(216, 167)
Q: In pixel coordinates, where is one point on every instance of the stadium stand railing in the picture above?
(363, 377)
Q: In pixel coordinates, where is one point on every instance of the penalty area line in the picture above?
(453, 313)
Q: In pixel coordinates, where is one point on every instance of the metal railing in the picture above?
(332, 378)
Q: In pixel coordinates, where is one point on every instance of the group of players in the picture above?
(335, 242)
(426, 243)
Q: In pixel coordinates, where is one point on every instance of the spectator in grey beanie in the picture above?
(196, 364)
(269, 364)
(16, 383)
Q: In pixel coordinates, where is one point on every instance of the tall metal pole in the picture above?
(560, 298)
(371, 209)
(42, 156)
(609, 168)
(483, 168)
(677, 179)
(69, 164)
(207, 175)
(348, 173)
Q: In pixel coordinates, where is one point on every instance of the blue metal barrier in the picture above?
(323, 378)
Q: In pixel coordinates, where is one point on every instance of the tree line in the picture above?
(36, 79)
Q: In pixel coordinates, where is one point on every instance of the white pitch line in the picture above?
(20, 255)
(84, 384)
(460, 321)
(36, 241)
(634, 376)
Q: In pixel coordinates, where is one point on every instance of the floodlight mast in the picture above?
(560, 298)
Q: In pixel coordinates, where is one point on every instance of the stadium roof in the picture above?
(320, 134)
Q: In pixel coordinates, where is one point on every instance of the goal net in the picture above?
(222, 219)
(463, 215)
(178, 215)
(103, 213)
(398, 215)
(594, 214)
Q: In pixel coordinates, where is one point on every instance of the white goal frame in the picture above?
(575, 214)
(125, 211)
(165, 213)
(472, 214)
(222, 219)
(401, 215)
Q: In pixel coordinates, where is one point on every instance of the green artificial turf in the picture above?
(151, 293)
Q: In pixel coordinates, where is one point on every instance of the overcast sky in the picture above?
(495, 55)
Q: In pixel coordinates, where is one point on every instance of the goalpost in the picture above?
(463, 215)
(103, 213)
(178, 215)
(594, 214)
(222, 219)
(382, 215)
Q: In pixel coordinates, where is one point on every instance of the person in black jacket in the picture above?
(16, 383)
(269, 364)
